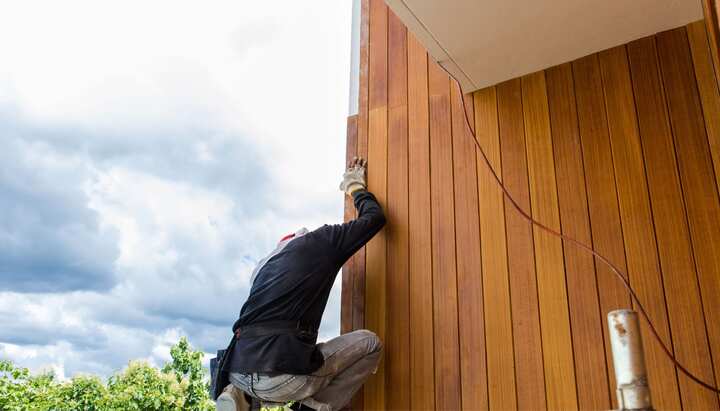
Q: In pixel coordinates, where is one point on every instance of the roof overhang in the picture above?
(484, 42)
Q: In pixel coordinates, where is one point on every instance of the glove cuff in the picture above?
(353, 187)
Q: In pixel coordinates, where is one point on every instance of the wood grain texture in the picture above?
(673, 238)
(422, 371)
(703, 214)
(376, 249)
(711, 9)
(445, 296)
(469, 102)
(348, 271)
(601, 192)
(378, 54)
(397, 357)
(362, 151)
(471, 322)
(708, 263)
(529, 371)
(639, 236)
(358, 314)
(709, 95)
(364, 78)
(586, 320)
(550, 268)
(457, 284)
(358, 260)
(496, 284)
(376, 253)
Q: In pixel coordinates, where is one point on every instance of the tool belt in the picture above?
(274, 328)
(221, 377)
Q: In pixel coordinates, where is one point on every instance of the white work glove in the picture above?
(354, 177)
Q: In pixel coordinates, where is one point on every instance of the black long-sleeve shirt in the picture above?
(294, 285)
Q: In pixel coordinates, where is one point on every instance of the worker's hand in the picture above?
(354, 177)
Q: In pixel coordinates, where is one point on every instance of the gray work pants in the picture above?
(349, 360)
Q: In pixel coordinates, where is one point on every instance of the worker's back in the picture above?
(293, 285)
(273, 356)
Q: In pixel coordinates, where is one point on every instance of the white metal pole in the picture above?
(633, 392)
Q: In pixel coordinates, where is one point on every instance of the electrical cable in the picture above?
(578, 243)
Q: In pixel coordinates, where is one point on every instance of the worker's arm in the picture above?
(349, 237)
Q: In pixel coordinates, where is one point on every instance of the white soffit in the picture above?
(484, 42)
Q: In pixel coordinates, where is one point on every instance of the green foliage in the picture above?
(82, 393)
(186, 365)
(180, 385)
(142, 387)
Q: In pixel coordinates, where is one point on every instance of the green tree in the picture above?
(82, 393)
(142, 387)
(14, 387)
(187, 366)
(180, 385)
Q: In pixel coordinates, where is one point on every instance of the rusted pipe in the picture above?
(633, 392)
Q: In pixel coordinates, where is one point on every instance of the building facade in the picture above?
(479, 309)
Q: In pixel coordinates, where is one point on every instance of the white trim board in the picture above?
(485, 42)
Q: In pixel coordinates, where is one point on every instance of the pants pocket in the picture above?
(241, 381)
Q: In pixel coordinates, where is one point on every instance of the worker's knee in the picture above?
(371, 340)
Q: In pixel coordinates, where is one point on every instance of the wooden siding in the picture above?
(711, 9)
(480, 310)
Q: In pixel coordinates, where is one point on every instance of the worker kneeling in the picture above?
(274, 357)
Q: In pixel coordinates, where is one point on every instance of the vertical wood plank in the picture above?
(529, 372)
(473, 382)
(376, 256)
(601, 192)
(348, 271)
(376, 249)
(358, 314)
(469, 102)
(397, 356)
(639, 238)
(378, 55)
(364, 86)
(422, 397)
(708, 262)
(445, 303)
(552, 294)
(358, 260)
(708, 89)
(587, 323)
(676, 260)
(703, 213)
(415, 273)
(496, 285)
(711, 9)
(422, 393)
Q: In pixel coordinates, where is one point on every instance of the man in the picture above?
(275, 358)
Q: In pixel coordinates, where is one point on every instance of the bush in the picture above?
(180, 385)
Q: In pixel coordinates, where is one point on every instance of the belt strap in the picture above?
(274, 328)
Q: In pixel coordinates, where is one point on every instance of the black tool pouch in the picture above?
(219, 375)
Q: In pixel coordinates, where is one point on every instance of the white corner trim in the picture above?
(354, 95)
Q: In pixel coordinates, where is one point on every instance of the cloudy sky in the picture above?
(150, 153)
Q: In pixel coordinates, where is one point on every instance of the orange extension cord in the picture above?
(578, 243)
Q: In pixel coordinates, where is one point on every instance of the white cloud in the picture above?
(42, 359)
(38, 360)
(191, 134)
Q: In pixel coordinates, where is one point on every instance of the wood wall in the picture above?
(711, 8)
(479, 310)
